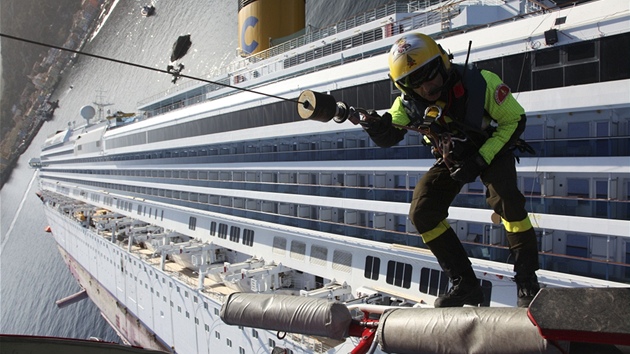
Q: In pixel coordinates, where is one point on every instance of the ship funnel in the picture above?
(261, 22)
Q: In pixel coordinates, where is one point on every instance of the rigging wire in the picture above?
(145, 67)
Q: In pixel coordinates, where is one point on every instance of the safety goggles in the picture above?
(425, 73)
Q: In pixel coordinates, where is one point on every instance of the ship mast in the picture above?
(100, 103)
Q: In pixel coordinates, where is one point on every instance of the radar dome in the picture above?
(87, 112)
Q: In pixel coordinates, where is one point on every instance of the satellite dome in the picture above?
(88, 112)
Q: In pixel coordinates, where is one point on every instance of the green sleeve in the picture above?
(504, 109)
(399, 115)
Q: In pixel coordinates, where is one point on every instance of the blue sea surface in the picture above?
(32, 273)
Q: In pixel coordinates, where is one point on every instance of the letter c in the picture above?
(249, 22)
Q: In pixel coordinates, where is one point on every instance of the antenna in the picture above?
(100, 104)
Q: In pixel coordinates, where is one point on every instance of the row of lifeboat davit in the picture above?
(213, 265)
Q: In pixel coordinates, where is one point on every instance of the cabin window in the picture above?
(577, 245)
(223, 228)
(372, 267)
(235, 234)
(613, 65)
(572, 64)
(399, 274)
(547, 57)
(581, 74)
(494, 65)
(192, 223)
(279, 245)
(475, 232)
(298, 250)
(511, 70)
(213, 228)
(533, 132)
(433, 282)
(319, 255)
(248, 237)
(549, 78)
(602, 129)
(577, 187)
(580, 51)
(342, 261)
(578, 130)
(531, 186)
(601, 189)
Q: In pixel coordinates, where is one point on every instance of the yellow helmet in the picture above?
(416, 58)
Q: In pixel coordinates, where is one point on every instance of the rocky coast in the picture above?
(30, 79)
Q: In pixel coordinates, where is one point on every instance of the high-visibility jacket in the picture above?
(478, 110)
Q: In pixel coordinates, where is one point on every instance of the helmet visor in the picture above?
(425, 73)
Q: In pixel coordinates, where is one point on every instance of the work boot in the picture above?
(453, 259)
(463, 292)
(526, 288)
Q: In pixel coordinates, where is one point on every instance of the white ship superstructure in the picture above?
(213, 190)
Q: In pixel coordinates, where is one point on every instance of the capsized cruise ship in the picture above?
(184, 223)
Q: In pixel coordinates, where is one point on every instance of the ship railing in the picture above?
(310, 343)
(219, 297)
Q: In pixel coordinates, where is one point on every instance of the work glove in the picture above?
(373, 123)
(522, 146)
(469, 169)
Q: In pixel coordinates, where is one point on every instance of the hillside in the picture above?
(44, 21)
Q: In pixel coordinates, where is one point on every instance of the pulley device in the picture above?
(323, 108)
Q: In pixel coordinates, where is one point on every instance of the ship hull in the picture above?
(128, 327)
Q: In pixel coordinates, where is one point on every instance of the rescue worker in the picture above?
(472, 125)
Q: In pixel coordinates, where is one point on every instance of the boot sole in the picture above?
(472, 300)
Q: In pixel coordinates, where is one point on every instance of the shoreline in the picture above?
(8, 164)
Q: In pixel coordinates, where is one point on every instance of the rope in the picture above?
(144, 67)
